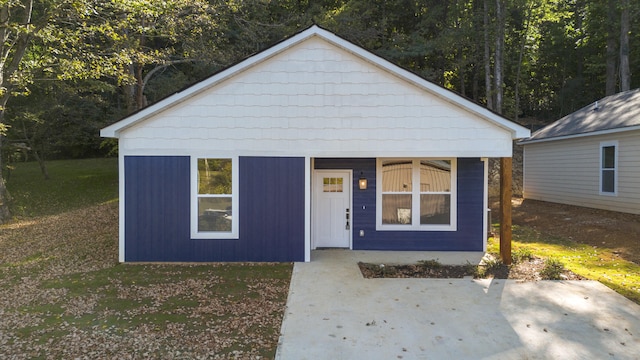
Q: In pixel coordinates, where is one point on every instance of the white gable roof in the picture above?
(316, 94)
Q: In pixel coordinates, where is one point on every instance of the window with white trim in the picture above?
(416, 194)
(609, 168)
(214, 205)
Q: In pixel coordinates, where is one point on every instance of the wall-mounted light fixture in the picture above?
(362, 182)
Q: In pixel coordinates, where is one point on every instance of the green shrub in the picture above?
(552, 270)
(430, 264)
(491, 262)
(521, 255)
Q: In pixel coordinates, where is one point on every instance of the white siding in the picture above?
(568, 172)
(316, 99)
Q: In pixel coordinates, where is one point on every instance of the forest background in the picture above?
(70, 67)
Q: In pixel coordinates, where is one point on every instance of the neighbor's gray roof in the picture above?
(616, 112)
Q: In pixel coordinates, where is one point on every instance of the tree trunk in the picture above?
(612, 50)
(499, 56)
(519, 68)
(130, 92)
(5, 198)
(141, 101)
(43, 166)
(580, 53)
(461, 70)
(487, 57)
(5, 214)
(13, 46)
(138, 69)
(625, 72)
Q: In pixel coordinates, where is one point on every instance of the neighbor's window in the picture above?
(416, 194)
(215, 187)
(608, 167)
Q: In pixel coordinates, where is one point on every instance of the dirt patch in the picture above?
(617, 231)
(530, 269)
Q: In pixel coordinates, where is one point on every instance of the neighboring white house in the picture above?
(588, 158)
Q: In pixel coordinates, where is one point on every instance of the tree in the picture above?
(625, 72)
(24, 24)
(612, 49)
(524, 39)
(487, 57)
(499, 55)
(16, 31)
(130, 41)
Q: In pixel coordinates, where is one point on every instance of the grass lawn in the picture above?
(64, 295)
(599, 264)
(74, 184)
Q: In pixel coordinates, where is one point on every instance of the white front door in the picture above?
(332, 209)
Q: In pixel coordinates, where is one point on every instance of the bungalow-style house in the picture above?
(312, 143)
(589, 158)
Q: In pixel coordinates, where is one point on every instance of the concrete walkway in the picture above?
(334, 313)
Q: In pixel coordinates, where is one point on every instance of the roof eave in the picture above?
(581, 135)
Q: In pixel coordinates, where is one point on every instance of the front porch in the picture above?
(368, 220)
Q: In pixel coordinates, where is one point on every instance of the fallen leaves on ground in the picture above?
(64, 295)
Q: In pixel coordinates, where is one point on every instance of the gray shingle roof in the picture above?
(612, 112)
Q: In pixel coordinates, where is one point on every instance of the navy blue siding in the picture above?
(468, 237)
(157, 211)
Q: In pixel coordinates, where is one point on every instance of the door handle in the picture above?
(347, 227)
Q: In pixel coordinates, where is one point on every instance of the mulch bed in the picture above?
(526, 270)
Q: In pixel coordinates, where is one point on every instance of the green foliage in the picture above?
(214, 176)
(521, 254)
(489, 264)
(552, 270)
(430, 264)
(66, 120)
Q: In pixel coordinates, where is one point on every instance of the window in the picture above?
(214, 193)
(416, 194)
(609, 168)
(332, 185)
(435, 192)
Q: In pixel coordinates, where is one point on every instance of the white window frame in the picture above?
(235, 219)
(415, 199)
(615, 169)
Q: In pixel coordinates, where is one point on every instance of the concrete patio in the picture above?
(334, 313)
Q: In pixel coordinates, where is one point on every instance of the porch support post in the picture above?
(505, 209)
(308, 165)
